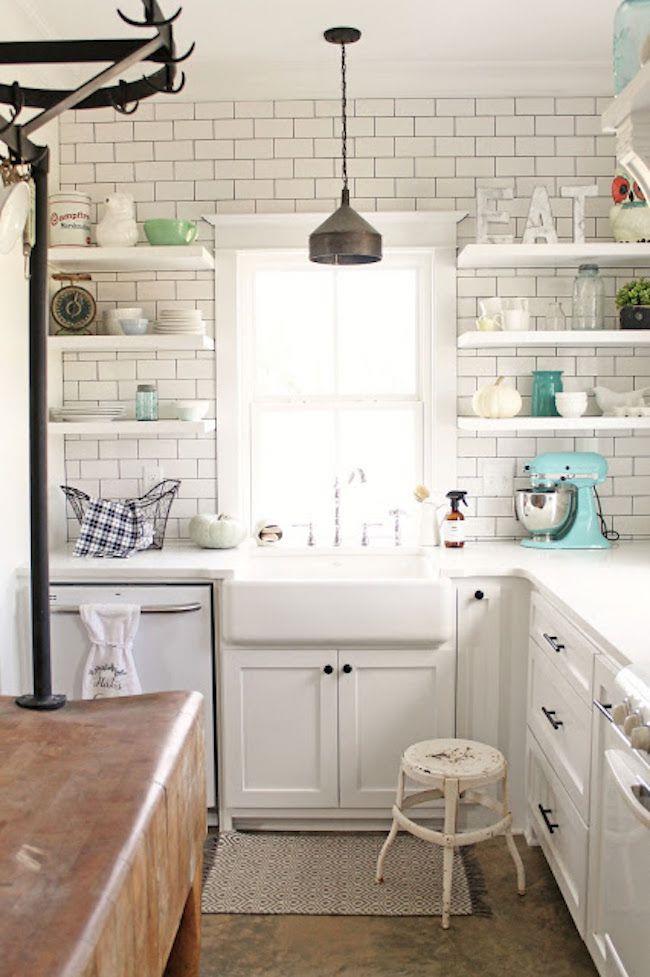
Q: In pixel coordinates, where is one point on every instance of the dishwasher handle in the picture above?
(146, 609)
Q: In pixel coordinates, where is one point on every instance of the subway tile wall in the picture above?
(187, 159)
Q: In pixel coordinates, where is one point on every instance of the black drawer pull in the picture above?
(479, 595)
(347, 669)
(550, 715)
(328, 669)
(554, 643)
(545, 811)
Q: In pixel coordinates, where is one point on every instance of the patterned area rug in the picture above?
(333, 874)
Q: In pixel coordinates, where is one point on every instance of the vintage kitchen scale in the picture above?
(73, 308)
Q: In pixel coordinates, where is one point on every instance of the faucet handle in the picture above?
(364, 531)
(308, 526)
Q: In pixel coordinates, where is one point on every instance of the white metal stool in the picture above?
(453, 769)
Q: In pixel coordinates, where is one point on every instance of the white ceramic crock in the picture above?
(69, 219)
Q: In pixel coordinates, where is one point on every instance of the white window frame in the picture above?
(431, 235)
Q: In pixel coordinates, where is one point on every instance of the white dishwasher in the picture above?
(173, 649)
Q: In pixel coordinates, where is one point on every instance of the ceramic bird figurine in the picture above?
(630, 215)
(117, 228)
(608, 400)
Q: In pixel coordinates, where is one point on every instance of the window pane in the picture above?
(377, 331)
(384, 443)
(294, 332)
(293, 466)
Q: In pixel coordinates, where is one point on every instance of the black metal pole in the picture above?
(40, 571)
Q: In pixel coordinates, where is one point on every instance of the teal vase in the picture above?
(546, 384)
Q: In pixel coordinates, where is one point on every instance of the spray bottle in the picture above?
(453, 529)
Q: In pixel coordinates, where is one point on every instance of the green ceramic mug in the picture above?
(166, 231)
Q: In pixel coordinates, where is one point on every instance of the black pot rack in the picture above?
(104, 89)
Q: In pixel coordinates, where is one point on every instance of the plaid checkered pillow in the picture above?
(113, 528)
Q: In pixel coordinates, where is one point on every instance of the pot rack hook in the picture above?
(182, 57)
(149, 18)
(17, 103)
(119, 101)
(168, 87)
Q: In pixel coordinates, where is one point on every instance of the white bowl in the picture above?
(191, 410)
(571, 404)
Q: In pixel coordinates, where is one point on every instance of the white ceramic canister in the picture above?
(69, 219)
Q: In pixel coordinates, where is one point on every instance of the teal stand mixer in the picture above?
(560, 509)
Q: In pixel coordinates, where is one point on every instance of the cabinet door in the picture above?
(388, 700)
(279, 728)
(492, 666)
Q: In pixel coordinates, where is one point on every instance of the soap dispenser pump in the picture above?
(453, 529)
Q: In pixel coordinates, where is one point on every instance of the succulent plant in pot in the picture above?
(633, 300)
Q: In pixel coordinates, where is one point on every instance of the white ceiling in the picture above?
(262, 48)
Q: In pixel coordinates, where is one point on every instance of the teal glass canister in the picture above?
(546, 384)
(631, 28)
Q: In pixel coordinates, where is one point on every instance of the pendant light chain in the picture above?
(344, 114)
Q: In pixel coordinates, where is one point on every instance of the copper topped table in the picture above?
(102, 824)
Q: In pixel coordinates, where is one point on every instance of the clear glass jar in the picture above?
(555, 317)
(588, 299)
(631, 28)
(146, 402)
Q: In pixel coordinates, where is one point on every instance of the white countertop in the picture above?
(607, 592)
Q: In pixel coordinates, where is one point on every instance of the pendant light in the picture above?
(345, 238)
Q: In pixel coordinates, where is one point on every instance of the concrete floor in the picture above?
(525, 937)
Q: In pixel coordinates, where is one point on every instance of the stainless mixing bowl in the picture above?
(545, 511)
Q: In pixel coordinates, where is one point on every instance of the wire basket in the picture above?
(155, 505)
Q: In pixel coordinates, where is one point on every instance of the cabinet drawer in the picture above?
(560, 830)
(562, 642)
(561, 721)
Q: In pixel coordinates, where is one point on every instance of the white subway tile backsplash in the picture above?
(187, 159)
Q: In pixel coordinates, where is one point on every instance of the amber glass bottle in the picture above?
(453, 529)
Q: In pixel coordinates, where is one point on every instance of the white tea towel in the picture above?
(110, 669)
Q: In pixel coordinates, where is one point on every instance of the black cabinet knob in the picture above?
(347, 669)
(328, 669)
(479, 594)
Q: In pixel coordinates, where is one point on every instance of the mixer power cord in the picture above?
(609, 534)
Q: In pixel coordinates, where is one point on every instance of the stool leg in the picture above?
(510, 841)
(451, 803)
(379, 873)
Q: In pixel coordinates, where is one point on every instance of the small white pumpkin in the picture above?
(497, 400)
(216, 532)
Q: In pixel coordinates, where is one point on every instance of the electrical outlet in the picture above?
(498, 476)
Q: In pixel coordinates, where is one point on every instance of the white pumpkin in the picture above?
(497, 400)
(216, 532)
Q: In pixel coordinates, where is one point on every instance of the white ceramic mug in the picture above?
(516, 319)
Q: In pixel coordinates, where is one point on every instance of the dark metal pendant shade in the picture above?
(345, 238)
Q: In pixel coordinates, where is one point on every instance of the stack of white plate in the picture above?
(86, 412)
(185, 321)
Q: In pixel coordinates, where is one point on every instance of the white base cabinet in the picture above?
(325, 729)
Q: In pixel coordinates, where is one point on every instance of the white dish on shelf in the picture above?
(571, 403)
(191, 410)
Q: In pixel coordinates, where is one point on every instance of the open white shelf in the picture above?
(112, 428)
(605, 254)
(555, 424)
(143, 257)
(635, 97)
(544, 337)
(104, 344)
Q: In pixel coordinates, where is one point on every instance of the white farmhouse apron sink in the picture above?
(351, 598)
